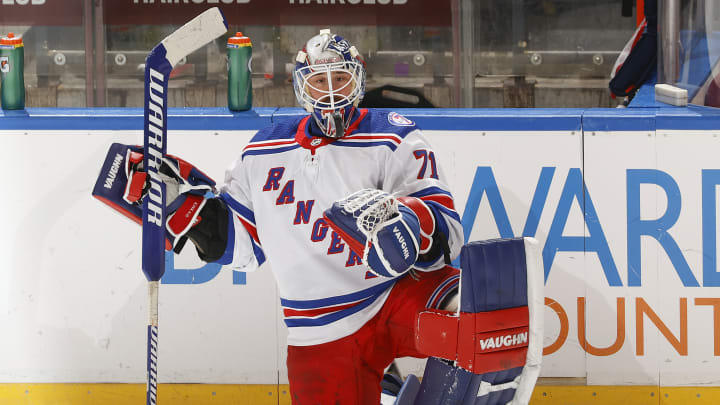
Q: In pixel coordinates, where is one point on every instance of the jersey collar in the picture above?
(307, 140)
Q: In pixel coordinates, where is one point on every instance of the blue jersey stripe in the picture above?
(339, 299)
(443, 209)
(440, 220)
(238, 207)
(227, 256)
(330, 318)
(438, 289)
(390, 145)
(430, 191)
(434, 191)
(258, 252)
(270, 151)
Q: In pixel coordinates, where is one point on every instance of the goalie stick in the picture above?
(159, 63)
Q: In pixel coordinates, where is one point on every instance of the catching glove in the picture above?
(380, 229)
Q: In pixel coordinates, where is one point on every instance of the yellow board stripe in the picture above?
(270, 394)
(624, 394)
(123, 394)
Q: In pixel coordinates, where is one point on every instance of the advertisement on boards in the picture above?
(426, 13)
(284, 12)
(40, 12)
(626, 218)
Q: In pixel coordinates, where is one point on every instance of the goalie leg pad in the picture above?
(446, 384)
(493, 347)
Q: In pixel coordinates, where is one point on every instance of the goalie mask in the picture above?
(329, 81)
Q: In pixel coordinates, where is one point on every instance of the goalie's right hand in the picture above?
(123, 184)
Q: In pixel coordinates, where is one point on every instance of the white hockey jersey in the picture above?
(278, 189)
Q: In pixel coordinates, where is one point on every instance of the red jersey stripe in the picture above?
(288, 312)
(250, 228)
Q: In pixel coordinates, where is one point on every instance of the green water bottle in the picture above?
(239, 49)
(12, 80)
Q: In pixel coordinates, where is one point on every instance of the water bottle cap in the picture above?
(11, 39)
(239, 39)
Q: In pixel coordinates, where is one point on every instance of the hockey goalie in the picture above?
(351, 208)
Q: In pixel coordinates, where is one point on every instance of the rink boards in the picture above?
(624, 203)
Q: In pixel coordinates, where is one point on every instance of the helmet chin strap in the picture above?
(334, 126)
(338, 124)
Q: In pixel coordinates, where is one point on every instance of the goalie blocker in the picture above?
(123, 185)
(490, 352)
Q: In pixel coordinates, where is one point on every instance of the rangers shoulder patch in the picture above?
(397, 119)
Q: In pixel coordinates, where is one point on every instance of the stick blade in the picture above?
(195, 34)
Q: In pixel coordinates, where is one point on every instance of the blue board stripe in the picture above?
(611, 119)
(691, 118)
(221, 119)
(500, 119)
(125, 119)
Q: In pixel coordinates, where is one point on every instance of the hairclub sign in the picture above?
(283, 12)
(40, 12)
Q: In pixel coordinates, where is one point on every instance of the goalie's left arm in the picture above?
(417, 229)
(415, 175)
